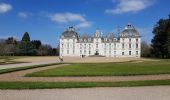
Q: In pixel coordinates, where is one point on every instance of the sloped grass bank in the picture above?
(52, 85)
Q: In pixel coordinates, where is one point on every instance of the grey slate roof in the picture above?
(70, 33)
(129, 31)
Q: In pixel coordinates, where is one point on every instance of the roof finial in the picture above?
(129, 23)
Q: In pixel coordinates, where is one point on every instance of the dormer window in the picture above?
(80, 40)
(136, 40)
(105, 39)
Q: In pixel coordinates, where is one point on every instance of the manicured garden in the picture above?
(108, 69)
(92, 69)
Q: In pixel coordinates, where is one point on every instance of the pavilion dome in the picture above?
(129, 31)
(70, 33)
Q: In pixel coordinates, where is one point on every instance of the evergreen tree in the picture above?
(161, 41)
(26, 48)
(26, 37)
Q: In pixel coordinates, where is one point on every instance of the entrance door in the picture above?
(97, 53)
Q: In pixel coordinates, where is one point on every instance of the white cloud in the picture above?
(5, 7)
(125, 6)
(84, 24)
(23, 14)
(63, 18)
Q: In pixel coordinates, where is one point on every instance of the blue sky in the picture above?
(45, 20)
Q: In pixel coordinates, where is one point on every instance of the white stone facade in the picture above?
(127, 44)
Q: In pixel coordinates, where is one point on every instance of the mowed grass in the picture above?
(108, 69)
(52, 85)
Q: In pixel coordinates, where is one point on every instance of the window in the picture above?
(136, 45)
(123, 46)
(80, 51)
(129, 52)
(84, 46)
(89, 52)
(129, 40)
(96, 45)
(130, 46)
(80, 46)
(136, 40)
(62, 45)
(114, 52)
(109, 52)
(123, 53)
(80, 40)
(89, 46)
(136, 52)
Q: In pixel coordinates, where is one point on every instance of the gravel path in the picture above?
(123, 93)
(25, 64)
(18, 76)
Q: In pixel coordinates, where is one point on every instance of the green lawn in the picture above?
(51, 85)
(108, 69)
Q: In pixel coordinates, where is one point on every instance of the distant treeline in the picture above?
(26, 47)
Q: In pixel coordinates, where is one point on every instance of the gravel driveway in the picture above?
(123, 93)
